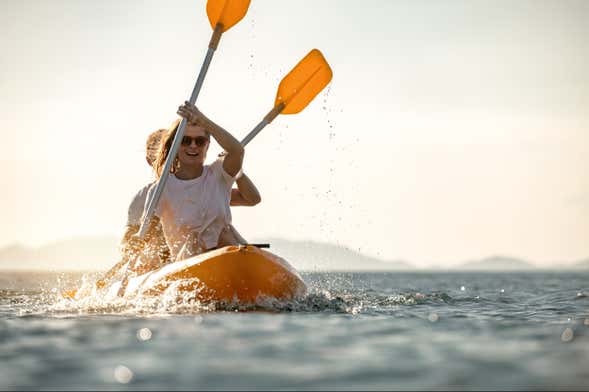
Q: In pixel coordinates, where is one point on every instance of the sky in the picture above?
(452, 130)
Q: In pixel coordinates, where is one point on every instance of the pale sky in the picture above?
(452, 130)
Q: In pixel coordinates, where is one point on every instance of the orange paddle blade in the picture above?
(303, 83)
(226, 12)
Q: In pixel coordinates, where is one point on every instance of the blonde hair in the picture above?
(166, 146)
(152, 144)
(164, 150)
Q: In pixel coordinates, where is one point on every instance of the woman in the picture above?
(153, 251)
(194, 206)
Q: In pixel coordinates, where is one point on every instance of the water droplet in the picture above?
(567, 335)
(502, 290)
(462, 288)
(144, 334)
(433, 317)
(198, 319)
(123, 374)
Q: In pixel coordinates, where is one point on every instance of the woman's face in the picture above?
(194, 146)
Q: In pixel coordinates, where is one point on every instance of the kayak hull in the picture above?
(241, 274)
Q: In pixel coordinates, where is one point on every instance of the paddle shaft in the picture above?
(267, 120)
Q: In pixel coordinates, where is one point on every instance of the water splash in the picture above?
(176, 299)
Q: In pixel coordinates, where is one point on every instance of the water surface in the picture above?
(368, 331)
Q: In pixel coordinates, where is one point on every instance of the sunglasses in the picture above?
(200, 141)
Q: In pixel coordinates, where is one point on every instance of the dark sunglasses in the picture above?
(200, 141)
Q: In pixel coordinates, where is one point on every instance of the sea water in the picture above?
(368, 331)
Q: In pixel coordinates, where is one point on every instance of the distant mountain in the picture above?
(583, 264)
(82, 253)
(100, 253)
(311, 256)
(496, 263)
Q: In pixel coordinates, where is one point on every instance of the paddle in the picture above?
(297, 89)
(222, 14)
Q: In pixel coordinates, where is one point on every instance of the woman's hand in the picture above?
(192, 114)
(234, 158)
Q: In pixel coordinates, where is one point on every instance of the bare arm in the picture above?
(246, 193)
(234, 158)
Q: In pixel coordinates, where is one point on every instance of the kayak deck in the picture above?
(233, 273)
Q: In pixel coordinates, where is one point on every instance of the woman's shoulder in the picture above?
(214, 167)
(217, 169)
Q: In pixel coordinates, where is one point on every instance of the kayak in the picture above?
(240, 274)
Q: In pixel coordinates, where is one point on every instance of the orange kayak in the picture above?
(234, 273)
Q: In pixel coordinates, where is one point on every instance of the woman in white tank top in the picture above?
(194, 206)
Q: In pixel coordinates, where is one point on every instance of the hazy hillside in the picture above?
(583, 264)
(496, 263)
(99, 253)
(83, 253)
(308, 255)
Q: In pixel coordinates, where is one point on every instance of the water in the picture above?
(366, 331)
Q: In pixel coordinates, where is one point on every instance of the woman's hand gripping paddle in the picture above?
(222, 14)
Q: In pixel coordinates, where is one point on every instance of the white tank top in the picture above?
(195, 207)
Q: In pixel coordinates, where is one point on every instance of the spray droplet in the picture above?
(433, 317)
(198, 319)
(567, 335)
(462, 288)
(502, 290)
(123, 374)
(144, 334)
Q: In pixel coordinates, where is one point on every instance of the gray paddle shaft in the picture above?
(267, 120)
(254, 132)
(174, 149)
